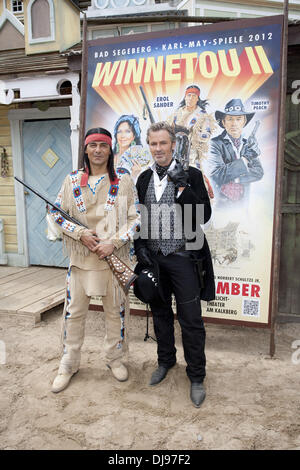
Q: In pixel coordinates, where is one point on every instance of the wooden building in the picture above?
(289, 290)
(38, 121)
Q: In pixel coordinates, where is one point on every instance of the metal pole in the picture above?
(83, 92)
(278, 193)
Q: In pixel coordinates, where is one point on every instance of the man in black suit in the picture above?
(171, 238)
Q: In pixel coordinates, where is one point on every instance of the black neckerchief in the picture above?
(162, 170)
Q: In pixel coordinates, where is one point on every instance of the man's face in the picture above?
(234, 125)
(161, 147)
(98, 153)
(191, 100)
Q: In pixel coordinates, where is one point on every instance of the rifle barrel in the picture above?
(64, 213)
(113, 261)
(147, 105)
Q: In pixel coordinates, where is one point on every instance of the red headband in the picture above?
(98, 138)
(193, 90)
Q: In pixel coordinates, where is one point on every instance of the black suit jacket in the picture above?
(192, 195)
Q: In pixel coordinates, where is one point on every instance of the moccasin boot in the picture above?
(61, 381)
(119, 371)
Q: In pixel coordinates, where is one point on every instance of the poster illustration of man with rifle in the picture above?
(191, 114)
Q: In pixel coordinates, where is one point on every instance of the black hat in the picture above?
(146, 287)
(234, 107)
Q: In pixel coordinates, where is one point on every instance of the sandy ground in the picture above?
(252, 401)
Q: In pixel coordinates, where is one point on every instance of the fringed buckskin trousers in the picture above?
(79, 290)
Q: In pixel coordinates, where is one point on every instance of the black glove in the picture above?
(143, 256)
(178, 176)
(251, 149)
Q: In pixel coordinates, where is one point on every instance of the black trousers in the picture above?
(178, 275)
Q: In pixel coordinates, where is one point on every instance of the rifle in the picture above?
(182, 148)
(123, 273)
(152, 120)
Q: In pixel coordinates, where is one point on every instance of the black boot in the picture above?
(197, 393)
(158, 375)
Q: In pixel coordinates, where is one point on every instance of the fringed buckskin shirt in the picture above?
(109, 209)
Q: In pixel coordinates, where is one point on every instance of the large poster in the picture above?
(222, 83)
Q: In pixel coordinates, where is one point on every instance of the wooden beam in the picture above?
(279, 185)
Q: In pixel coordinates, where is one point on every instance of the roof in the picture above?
(76, 4)
(84, 4)
(74, 50)
(15, 62)
(294, 28)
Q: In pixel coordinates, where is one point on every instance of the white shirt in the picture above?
(161, 184)
(236, 151)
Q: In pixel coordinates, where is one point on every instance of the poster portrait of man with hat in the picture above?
(233, 162)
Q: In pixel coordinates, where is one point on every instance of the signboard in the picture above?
(234, 69)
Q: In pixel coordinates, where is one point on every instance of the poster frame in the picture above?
(220, 26)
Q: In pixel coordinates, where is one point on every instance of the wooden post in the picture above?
(279, 178)
(83, 92)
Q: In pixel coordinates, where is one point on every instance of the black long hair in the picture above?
(201, 103)
(110, 164)
(133, 124)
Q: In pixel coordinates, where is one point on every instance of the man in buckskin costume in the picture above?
(176, 255)
(233, 162)
(96, 197)
(189, 110)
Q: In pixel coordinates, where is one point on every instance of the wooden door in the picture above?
(289, 282)
(47, 160)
